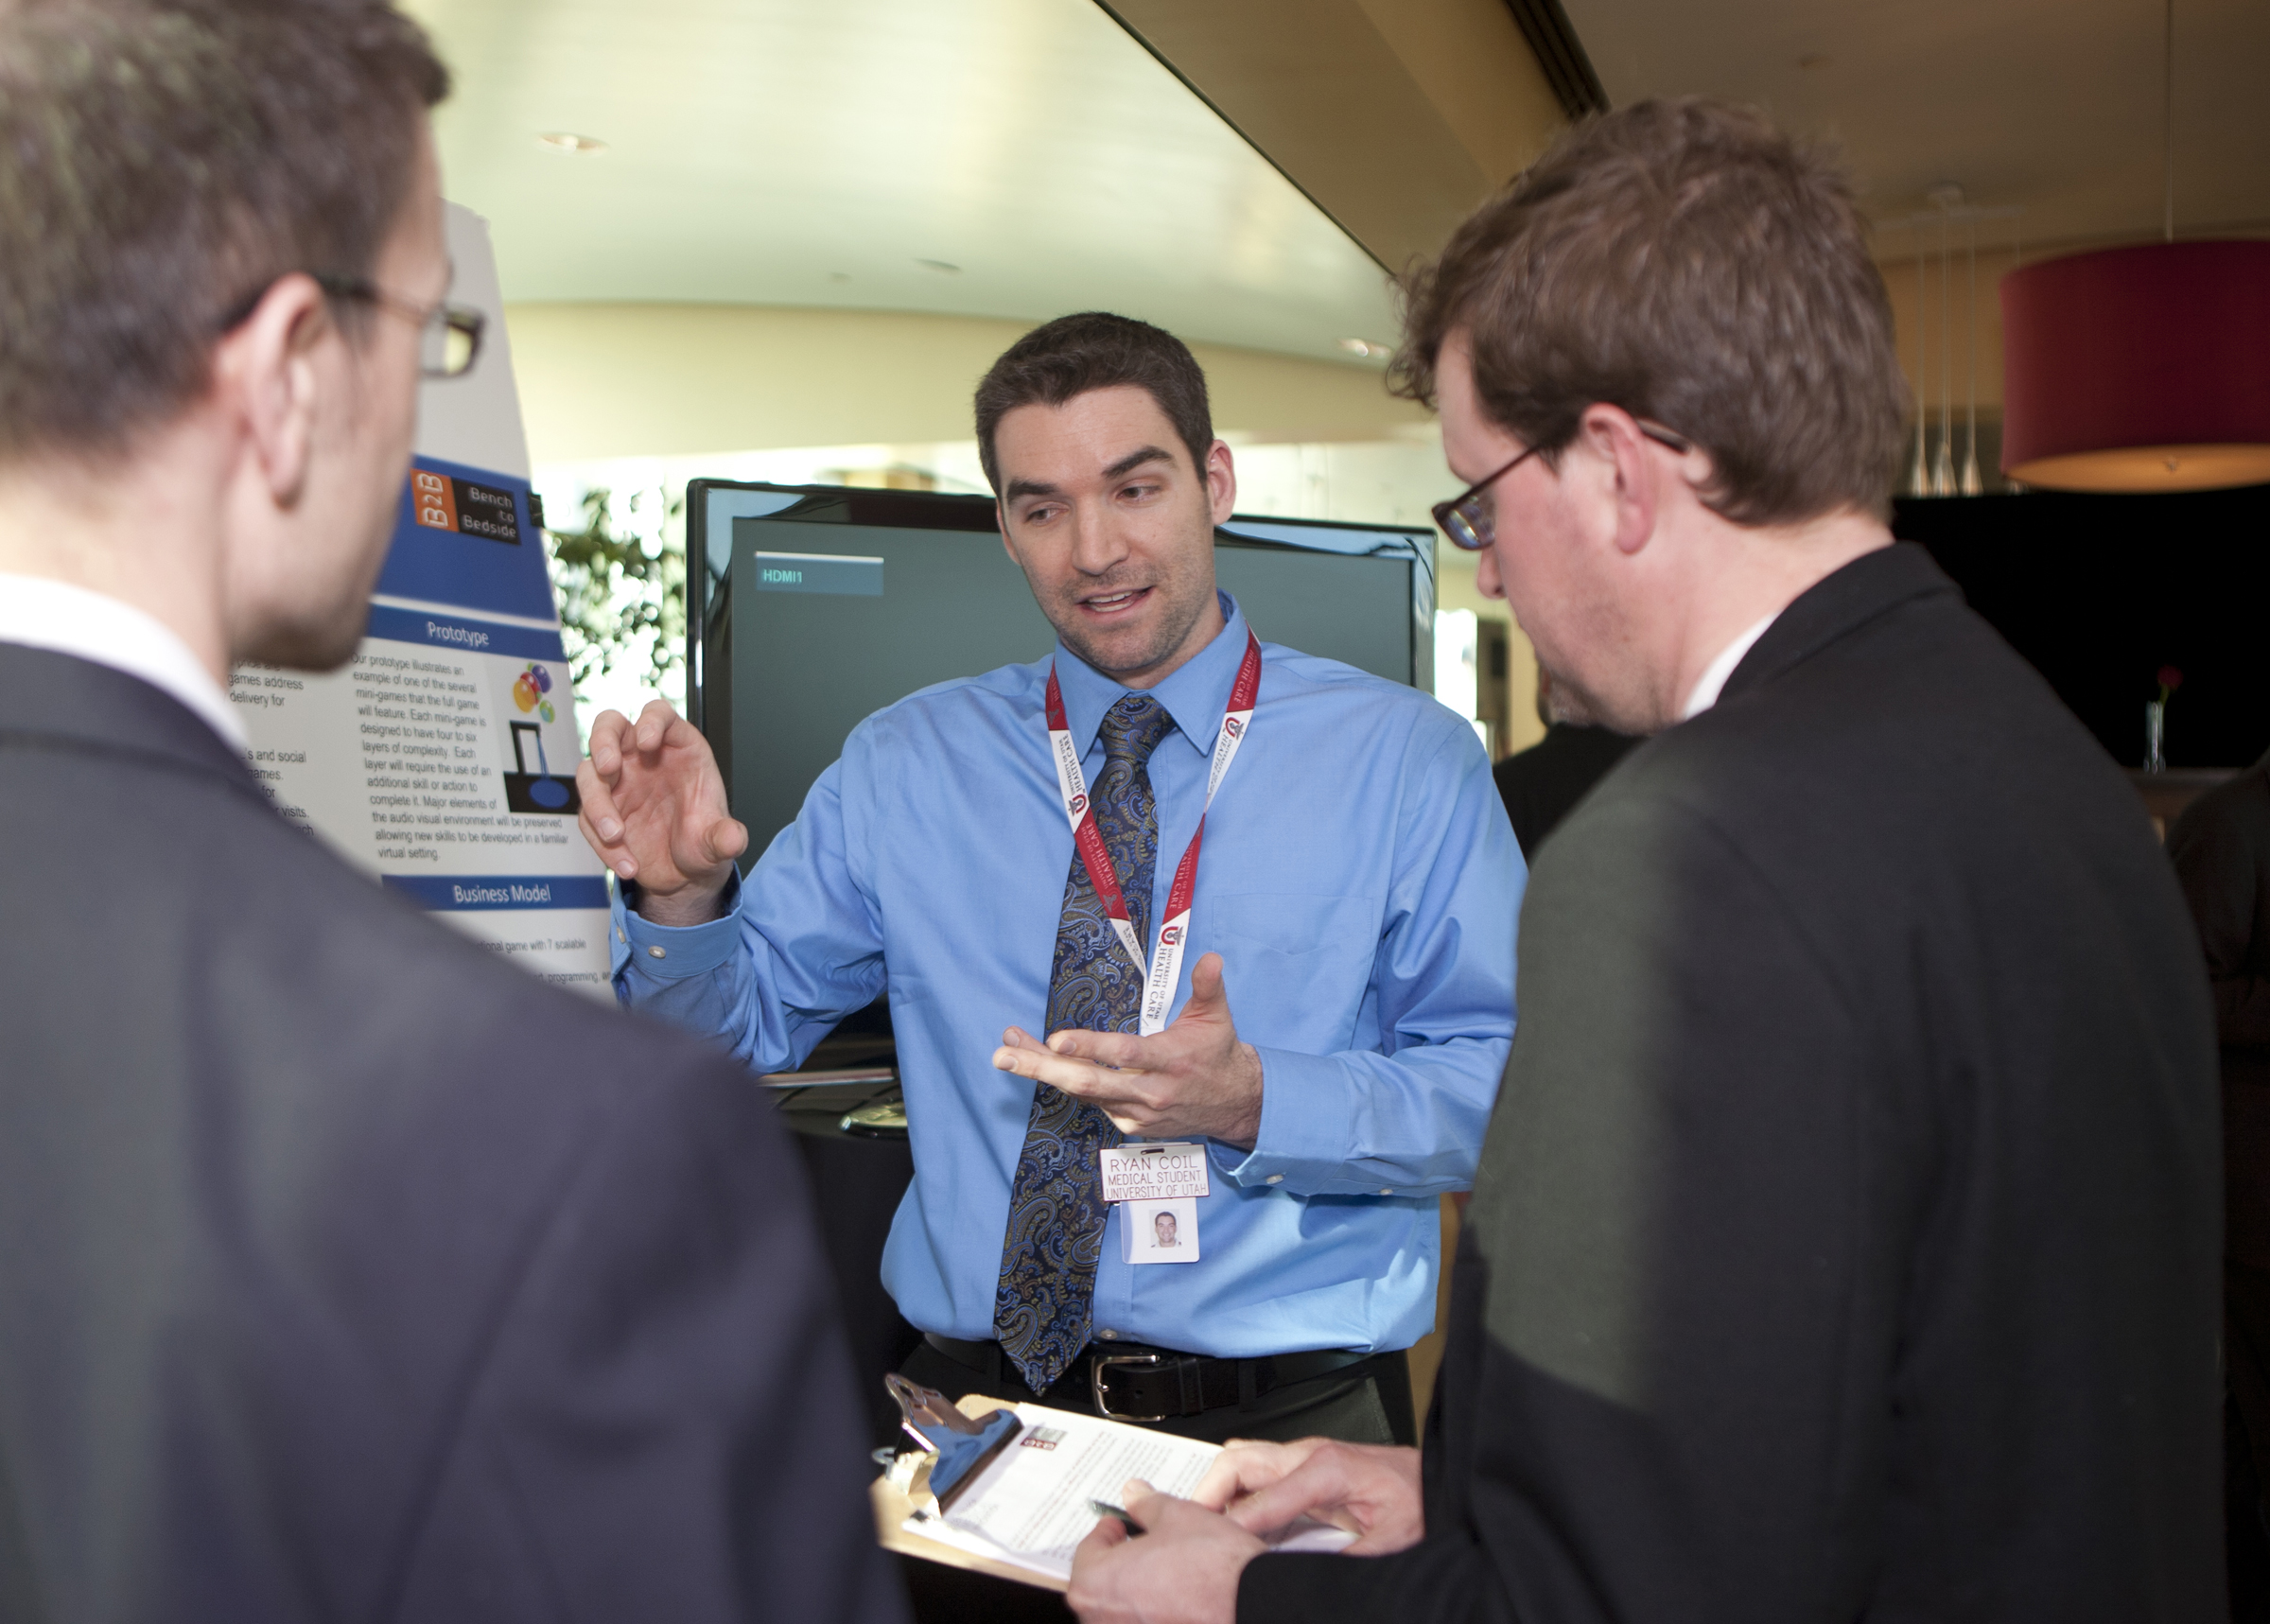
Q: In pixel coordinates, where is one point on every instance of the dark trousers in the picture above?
(1364, 1403)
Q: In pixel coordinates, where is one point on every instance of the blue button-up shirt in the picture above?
(1358, 878)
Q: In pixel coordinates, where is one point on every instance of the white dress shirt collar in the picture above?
(66, 619)
(1705, 692)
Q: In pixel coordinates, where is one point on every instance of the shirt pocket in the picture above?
(1297, 965)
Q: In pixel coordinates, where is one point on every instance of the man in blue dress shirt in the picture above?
(1335, 1045)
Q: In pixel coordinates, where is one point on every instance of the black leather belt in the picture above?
(1136, 1383)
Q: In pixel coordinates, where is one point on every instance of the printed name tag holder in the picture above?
(1158, 1188)
(1144, 1237)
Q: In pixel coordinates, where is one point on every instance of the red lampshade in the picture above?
(2139, 368)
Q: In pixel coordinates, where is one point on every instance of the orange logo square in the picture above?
(434, 501)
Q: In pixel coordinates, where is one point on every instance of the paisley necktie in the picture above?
(1044, 1306)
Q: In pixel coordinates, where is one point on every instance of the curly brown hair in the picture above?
(1685, 261)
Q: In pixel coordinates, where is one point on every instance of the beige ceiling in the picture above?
(818, 152)
(2055, 105)
(1397, 116)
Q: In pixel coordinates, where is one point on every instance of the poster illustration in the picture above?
(442, 759)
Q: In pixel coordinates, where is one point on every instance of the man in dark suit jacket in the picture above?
(345, 1271)
(1844, 1244)
(2221, 850)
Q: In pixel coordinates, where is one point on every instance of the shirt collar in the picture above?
(1196, 694)
(1705, 692)
(40, 612)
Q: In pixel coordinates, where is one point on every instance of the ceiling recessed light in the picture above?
(562, 141)
(943, 267)
(1366, 347)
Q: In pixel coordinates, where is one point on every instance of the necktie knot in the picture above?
(1132, 728)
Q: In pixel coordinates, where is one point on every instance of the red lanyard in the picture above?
(1167, 962)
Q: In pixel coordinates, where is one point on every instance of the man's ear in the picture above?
(1633, 475)
(266, 379)
(1001, 522)
(1221, 480)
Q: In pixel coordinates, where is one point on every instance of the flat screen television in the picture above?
(812, 606)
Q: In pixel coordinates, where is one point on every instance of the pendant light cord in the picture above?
(2167, 124)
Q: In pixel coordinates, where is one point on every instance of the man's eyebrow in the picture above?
(1134, 460)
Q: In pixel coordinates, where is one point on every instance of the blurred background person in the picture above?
(1542, 784)
(2221, 850)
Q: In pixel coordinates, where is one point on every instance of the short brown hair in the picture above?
(1685, 261)
(165, 160)
(1092, 350)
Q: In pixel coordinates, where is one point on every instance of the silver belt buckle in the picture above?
(1100, 1362)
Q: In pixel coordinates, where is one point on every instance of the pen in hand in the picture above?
(1106, 1508)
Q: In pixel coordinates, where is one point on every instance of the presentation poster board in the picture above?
(442, 759)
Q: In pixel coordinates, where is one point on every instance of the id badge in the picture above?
(1157, 1188)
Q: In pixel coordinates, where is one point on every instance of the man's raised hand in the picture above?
(1195, 1079)
(654, 808)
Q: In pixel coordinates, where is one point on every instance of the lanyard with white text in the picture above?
(1166, 963)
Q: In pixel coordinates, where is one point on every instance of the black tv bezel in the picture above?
(947, 510)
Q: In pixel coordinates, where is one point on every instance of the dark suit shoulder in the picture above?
(399, 1216)
(1862, 1014)
(1918, 742)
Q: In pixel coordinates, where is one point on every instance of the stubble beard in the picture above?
(1578, 616)
(322, 632)
(316, 645)
(1615, 694)
(1633, 714)
(1180, 609)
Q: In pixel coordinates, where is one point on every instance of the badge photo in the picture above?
(1159, 1231)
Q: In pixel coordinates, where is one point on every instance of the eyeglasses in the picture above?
(448, 335)
(1468, 524)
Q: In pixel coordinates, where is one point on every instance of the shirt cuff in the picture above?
(1303, 1146)
(674, 952)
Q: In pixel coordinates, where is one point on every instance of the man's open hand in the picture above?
(1370, 1490)
(1193, 1081)
(655, 811)
(1183, 1570)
